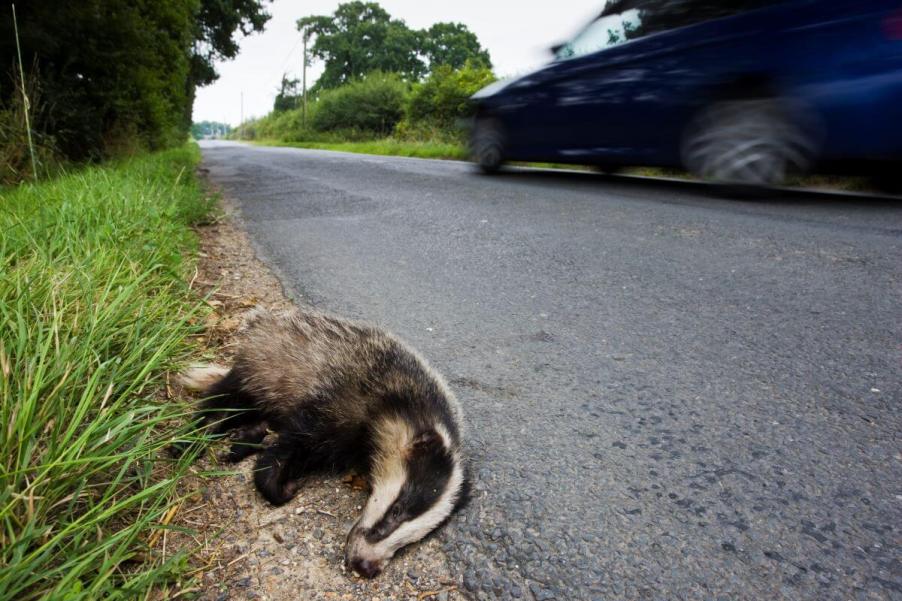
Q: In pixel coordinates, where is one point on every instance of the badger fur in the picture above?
(341, 395)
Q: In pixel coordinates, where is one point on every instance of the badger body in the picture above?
(341, 395)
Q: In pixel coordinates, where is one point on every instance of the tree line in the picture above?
(380, 77)
(105, 76)
(362, 37)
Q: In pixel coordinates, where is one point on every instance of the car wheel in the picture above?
(889, 180)
(747, 143)
(487, 145)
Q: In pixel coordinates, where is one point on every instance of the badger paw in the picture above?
(273, 478)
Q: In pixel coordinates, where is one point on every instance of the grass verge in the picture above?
(94, 309)
(385, 147)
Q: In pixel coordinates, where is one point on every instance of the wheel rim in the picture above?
(746, 142)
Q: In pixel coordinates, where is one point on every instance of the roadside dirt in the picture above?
(247, 548)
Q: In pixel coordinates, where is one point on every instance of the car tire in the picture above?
(487, 145)
(889, 180)
(747, 144)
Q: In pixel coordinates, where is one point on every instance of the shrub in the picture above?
(444, 97)
(15, 145)
(374, 105)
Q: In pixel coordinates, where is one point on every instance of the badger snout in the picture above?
(360, 556)
(365, 567)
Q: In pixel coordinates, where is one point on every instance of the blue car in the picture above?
(740, 92)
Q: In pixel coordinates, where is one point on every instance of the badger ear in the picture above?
(425, 442)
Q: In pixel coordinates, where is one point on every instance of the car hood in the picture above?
(502, 84)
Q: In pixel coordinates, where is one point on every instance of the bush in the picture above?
(444, 98)
(373, 105)
(16, 147)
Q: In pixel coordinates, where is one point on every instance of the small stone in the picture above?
(245, 582)
(470, 581)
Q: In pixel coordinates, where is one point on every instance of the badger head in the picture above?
(417, 480)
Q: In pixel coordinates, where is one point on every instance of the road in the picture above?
(669, 395)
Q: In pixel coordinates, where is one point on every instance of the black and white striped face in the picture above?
(412, 495)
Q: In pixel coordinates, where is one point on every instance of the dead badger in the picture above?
(342, 395)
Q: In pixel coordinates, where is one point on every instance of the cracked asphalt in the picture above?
(669, 395)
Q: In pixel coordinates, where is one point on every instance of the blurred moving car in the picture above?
(736, 91)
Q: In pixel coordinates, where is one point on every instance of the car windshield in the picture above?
(624, 20)
(602, 33)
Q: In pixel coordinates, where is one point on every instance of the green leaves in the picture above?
(361, 37)
(444, 97)
(119, 75)
(373, 105)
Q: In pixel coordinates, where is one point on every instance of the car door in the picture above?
(626, 101)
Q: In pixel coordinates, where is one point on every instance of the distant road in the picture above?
(669, 395)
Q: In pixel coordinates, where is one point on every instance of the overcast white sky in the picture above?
(516, 33)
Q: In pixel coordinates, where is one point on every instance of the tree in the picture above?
(453, 45)
(361, 37)
(214, 37)
(216, 22)
(213, 129)
(120, 73)
(289, 96)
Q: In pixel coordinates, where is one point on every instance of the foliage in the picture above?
(369, 109)
(374, 104)
(118, 74)
(453, 45)
(387, 147)
(15, 158)
(215, 24)
(94, 308)
(361, 37)
(444, 98)
(213, 129)
(289, 96)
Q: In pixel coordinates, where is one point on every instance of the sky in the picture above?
(517, 34)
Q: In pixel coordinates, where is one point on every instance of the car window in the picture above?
(604, 32)
(625, 20)
(661, 15)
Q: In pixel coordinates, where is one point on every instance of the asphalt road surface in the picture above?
(669, 395)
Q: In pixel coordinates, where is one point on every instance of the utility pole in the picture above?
(241, 127)
(304, 78)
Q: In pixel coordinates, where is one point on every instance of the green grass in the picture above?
(385, 147)
(94, 309)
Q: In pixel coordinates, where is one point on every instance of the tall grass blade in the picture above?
(25, 103)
